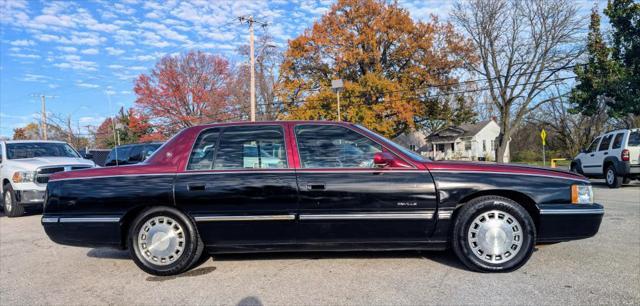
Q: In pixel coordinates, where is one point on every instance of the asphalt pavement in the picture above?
(604, 269)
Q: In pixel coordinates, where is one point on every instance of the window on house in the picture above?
(412, 147)
(484, 146)
(493, 145)
(467, 145)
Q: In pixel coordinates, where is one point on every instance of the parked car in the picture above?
(25, 167)
(335, 186)
(614, 156)
(131, 154)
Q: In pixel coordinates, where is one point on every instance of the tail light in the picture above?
(624, 155)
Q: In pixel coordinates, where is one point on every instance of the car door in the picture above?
(602, 153)
(344, 198)
(589, 162)
(239, 187)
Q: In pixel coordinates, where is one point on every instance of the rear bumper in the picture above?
(563, 222)
(86, 231)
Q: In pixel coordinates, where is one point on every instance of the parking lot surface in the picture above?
(600, 270)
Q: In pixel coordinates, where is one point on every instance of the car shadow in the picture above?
(107, 253)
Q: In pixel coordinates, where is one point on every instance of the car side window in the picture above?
(329, 146)
(604, 145)
(135, 156)
(251, 147)
(204, 150)
(617, 142)
(593, 146)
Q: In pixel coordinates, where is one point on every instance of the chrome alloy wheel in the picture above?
(161, 240)
(7, 202)
(495, 236)
(611, 176)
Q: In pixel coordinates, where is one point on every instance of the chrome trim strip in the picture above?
(109, 176)
(246, 218)
(444, 214)
(89, 219)
(49, 219)
(368, 216)
(509, 173)
(572, 211)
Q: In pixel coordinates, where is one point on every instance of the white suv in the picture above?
(614, 156)
(25, 167)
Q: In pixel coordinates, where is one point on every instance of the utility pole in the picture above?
(43, 118)
(250, 21)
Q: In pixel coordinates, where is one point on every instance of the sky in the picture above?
(85, 55)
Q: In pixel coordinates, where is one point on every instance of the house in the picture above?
(475, 141)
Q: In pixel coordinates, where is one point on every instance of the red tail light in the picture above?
(625, 155)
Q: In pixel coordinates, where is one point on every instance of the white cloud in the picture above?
(22, 55)
(23, 43)
(116, 66)
(43, 21)
(114, 51)
(90, 51)
(67, 49)
(28, 77)
(86, 85)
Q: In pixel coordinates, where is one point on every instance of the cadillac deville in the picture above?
(313, 186)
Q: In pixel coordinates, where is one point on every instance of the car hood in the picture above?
(37, 162)
(500, 168)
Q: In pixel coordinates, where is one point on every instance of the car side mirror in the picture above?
(383, 159)
(88, 156)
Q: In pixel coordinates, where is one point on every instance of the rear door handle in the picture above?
(315, 187)
(196, 187)
(592, 155)
(606, 153)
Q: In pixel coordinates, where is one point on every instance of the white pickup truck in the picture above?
(25, 167)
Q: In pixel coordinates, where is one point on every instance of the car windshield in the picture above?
(40, 149)
(398, 147)
(634, 139)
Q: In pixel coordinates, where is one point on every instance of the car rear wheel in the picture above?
(493, 234)
(164, 241)
(11, 207)
(612, 178)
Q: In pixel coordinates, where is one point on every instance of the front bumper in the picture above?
(30, 197)
(563, 222)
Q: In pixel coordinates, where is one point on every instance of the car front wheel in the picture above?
(11, 207)
(163, 241)
(493, 234)
(612, 178)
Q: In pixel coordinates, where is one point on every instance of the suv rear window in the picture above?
(604, 145)
(634, 139)
(617, 142)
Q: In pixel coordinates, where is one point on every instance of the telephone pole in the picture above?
(250, 21)
(43, 118)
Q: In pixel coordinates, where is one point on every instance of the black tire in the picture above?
(12, 209)
(613, 181)
(573, 168)
(465, 219)
(190, 254)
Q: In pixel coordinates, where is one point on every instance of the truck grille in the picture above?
(42, 174)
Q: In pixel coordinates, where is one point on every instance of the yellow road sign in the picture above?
(543, 135)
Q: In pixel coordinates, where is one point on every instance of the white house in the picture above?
(475, 141)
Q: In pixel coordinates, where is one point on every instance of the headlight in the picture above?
(581, 194)
(24, 176)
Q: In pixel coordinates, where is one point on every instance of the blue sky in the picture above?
(82, 52)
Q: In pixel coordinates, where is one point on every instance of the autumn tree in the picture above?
(130, 126)
(393, 67)
(29, 132)
(185, 90)
(523, 46)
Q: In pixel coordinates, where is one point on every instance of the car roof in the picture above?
(33, 141)
(214, 124)
(140, 144)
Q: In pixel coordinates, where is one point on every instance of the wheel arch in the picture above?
(522, 199)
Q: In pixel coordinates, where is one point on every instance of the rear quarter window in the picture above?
(634, 139)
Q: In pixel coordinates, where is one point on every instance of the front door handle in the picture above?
(196, 187)
(592, 155)
(315, 186)
(606, 153)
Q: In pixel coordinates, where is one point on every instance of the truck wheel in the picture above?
(612, 178)
(493, 234)
(163, 241)
(11, 207)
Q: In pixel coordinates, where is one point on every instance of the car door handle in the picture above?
(606, 153)
(592, 155)
(196, 187)
(315, 187)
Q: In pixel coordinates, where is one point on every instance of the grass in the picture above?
(538, 163)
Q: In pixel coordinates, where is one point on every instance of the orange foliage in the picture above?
(386, 59)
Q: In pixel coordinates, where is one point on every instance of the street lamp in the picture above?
(337, 86)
